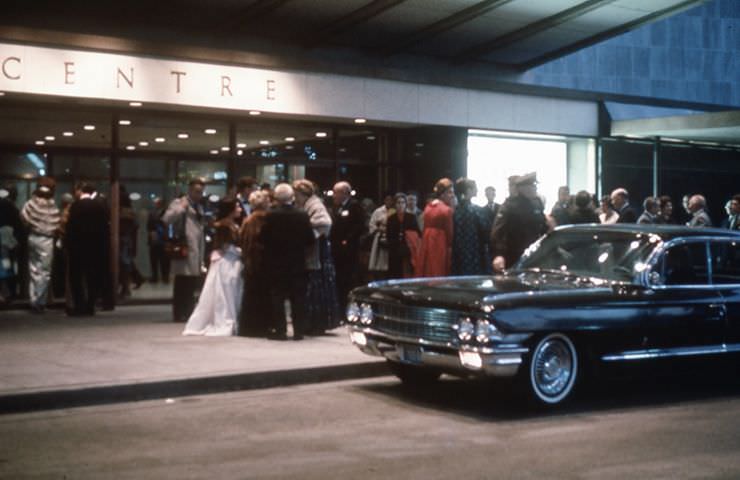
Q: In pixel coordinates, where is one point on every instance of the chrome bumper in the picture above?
(464, 360)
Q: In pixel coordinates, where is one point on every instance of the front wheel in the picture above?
(412, 375)
(553, 369)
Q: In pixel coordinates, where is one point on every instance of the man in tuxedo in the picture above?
(348, 225)
(621, 201)
(285, 235)
(733, 222)
(87, 238)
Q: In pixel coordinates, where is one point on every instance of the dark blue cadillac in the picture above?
(581, 296)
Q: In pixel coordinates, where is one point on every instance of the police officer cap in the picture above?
(514, 179)
(527, 179)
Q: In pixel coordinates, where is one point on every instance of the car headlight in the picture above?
(353, 312)
(465, 329)
(486, 331)
(366, 314)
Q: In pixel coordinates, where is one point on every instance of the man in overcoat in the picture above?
(186, 221)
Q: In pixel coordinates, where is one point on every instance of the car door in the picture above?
(726, 278)
(687, 312)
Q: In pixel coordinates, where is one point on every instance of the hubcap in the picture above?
(553, 368)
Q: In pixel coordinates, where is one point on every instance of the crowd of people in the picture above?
(290, 245)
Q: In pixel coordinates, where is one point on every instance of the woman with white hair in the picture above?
(322, 308)
(41, 215)
(255, 315)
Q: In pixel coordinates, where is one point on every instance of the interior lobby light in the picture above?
(241, 145)
(210, 131)
(183, 135)
(143, 144)
(2, 94)
(68, 134)
(213, 152)
(289, 147)
(49, 138)
(130, 147)
(240, 152)
(360, 120)
(255, 112)
(159, 139)
(264, 142)
(40, 142)
(125, 123)
(135, 104)
(370, 137)
(290, 139)
(321, 134)
(89, 128)
(225, 149)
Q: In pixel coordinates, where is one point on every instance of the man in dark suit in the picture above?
(285, 235)
(348, 225)
(621, 201)
(87, 241)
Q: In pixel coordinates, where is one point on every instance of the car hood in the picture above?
(475, 292)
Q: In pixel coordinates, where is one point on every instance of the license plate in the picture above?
(410, 354)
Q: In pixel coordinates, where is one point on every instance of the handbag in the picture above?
(176, 245)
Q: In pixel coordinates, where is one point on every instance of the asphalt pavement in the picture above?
(134, 353)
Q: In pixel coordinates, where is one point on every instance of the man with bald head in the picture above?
(698, 208)
(285, 235)
(348, 225)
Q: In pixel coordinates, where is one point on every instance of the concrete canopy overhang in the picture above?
(717, 127)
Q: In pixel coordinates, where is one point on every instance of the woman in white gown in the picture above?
(217, 312)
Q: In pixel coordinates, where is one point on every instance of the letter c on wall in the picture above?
(6, 71)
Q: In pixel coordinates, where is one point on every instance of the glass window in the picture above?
(725, 262)
(685, 265)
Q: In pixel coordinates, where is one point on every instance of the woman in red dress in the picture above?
(436, 244)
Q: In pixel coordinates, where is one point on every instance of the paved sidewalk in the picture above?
(55, 361)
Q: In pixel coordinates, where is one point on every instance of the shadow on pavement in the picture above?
(498, 401)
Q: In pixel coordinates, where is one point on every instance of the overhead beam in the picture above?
(350, 20)
(614, 32)
(443, 25)
(254, 12)
(532, 29)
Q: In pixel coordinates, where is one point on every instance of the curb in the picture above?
(59, 399)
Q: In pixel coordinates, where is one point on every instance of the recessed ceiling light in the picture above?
(49, 138)
(40, 142)
(124, 122)
(240, 152)
(264, 142)
(213, 152)
(370, 137)
(289, 147)
(183, 135)
(2, 94)
(130, 147)
(255, 112)
(143, 144)
(135, 104)
(225, 149)
(210, 131)
(241, 145)
(321, 134)
(360, 120)
(290, 139)
(89, 128)
(68, 134)
(160, 139)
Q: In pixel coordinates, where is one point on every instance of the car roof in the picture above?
(666, 232)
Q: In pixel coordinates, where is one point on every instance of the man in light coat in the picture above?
(698, 209)
(186, 221)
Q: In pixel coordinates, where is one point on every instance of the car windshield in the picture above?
(614, 255)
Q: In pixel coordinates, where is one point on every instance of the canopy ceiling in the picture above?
(513, 34)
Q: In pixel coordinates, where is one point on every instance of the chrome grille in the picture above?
(433, 324)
